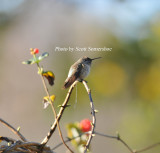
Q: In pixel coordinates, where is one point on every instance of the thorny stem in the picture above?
(63, 106)
(112, 137)
(93, 117)
(53, 109)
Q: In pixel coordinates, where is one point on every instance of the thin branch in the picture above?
(69, 139)
(19, 144)
(53, 109)
(13, 130)
(7, 139)
(24, 147)
(63, 106)
(100, 134)
(117, 138)
(148, 148)
(126, 145)
(93, 117)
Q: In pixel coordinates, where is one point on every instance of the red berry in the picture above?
(36, 51)
(85, 125)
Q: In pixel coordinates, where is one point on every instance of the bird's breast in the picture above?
(85, 71)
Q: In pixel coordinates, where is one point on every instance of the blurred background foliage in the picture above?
(125, 83)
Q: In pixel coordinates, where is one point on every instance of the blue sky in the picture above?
(129, 14)
(101, 8)
(9, 5)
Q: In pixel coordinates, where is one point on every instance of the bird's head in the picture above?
(87, 60)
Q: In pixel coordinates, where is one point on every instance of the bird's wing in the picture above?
(72, 75)
(77, 70)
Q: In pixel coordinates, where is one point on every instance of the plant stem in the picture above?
(13, 130)
(93, 117)
(53, 109)
(64, 105)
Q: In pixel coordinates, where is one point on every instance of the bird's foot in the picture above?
(81, 80)
(85, 81)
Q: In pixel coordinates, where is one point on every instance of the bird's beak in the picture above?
(96, 58)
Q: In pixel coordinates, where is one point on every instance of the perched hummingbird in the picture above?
(78, 71)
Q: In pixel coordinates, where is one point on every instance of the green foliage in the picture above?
(36, 59)
(74, 131)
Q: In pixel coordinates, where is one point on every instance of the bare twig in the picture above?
(7, 139)
(53, 109)
(148, 148)
(100, 134)
(69, 139)
(19, 144)
(117, 138)
(93, 117)
(13, 130)
(24, 147)
(126, 145)
(63, 106)
(113, 137)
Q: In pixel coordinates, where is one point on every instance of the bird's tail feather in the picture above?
(69, 81)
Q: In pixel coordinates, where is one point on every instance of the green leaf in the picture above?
(30, 61)
(41, 57)
(96, 111)
(68, 105)
(118, 135)
(59, 106)
(40, 70)
(92, 124)
(36, 59)
(64, 106)
(18, 129)
(9, 143)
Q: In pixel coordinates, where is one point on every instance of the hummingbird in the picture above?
(78, 71)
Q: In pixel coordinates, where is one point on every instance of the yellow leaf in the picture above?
(49, 75)
(52, 97)
(47, 100)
